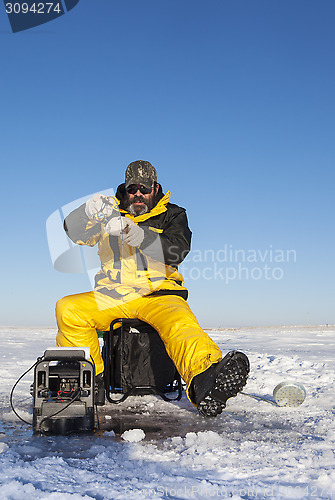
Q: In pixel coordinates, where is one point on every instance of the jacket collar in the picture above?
(159, 208)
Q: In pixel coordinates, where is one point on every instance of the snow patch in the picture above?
(133, 435)
(3, 447)
(109, 433)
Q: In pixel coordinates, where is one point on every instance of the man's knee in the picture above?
(67, 311)
(59, 305)
(62, 306)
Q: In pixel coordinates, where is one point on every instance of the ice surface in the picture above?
(253, 450)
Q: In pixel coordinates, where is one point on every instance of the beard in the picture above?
(139, 210)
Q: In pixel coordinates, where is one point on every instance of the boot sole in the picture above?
(232, 376)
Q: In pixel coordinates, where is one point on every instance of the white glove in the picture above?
(93, 205)
(98, 209)
(115, 227)
(133, 234)
(123, 227)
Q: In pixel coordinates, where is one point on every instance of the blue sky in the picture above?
(232, 101)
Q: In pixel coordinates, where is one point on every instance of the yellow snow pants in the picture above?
(190, 348)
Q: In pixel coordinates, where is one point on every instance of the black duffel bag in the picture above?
(136, 361)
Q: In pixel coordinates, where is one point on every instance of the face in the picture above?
(139, 203)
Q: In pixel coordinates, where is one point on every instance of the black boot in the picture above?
(99, 392)
(210, 389)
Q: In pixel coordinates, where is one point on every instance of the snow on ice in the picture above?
(133, 435)
(148, 448)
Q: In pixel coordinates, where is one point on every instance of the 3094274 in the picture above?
(35, 8)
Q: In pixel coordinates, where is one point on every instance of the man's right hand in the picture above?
(93, 205)
(99, 208)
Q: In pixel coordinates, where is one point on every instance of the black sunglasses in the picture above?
(133, 188)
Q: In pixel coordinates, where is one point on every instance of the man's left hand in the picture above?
(132, 233)
(123, 227)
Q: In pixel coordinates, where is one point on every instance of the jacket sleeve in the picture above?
(80, 229)
(174, 240)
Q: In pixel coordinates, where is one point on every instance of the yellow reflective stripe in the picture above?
(155, 229)
(90, 224)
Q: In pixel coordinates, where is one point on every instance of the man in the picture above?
(142, 239)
